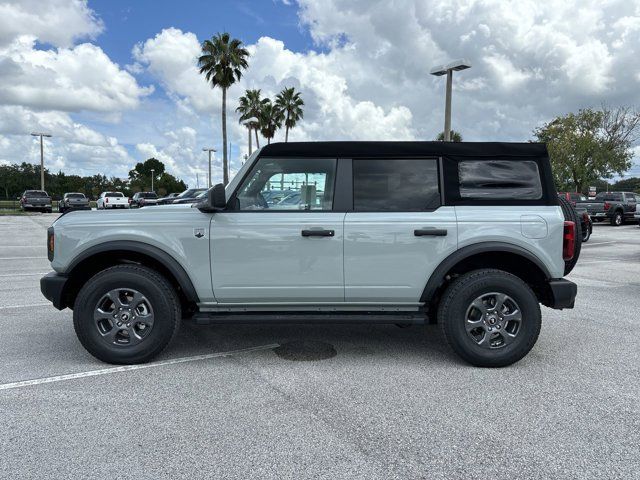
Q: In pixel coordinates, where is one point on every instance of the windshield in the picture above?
(35, 193)
(191, 192)
(113, 194)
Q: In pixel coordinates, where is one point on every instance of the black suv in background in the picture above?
(35, 200)
(188, 194)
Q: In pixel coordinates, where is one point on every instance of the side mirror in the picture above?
(216, 200)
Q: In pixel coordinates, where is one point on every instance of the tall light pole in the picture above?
(209, 150)
(251, 123)
(152, 171)
(448, 71)
(41, 156)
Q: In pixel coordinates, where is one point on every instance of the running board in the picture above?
(205, 318)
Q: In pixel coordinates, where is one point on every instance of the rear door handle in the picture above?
(435, 232)
(318, 233)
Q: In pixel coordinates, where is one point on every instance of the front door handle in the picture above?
(435, 232)
(318, 233)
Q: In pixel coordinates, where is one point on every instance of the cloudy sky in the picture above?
(115, 82)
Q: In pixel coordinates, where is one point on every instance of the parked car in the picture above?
(198, 198)
(190, 193)
(617, 207)
(636, 215)
(35, 200)
(573, 197)
(144, 199)
(586, 225)
(167, 198)
(112, 200)
(73, 201)
(471, 236)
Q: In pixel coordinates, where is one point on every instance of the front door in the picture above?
(281, 242)
(398, 232)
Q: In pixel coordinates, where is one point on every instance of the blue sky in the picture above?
(116, 81)
(129, 22)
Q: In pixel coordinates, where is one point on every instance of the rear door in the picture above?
(398, 231)
(629, 205)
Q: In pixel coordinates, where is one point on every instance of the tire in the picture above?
(617, 219)
(49, 210)
(154, 318)
(481, 347)
(586, 234)
(571, 215)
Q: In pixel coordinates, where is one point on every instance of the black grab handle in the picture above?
(318, 233)
(435, 232)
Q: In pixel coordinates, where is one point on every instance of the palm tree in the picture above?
(271, 118)
(249, 107)
(222, 61)
(290, 103)
(454, 136)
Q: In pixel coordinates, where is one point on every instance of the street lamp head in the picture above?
(460, 64)
(40, 134)
(209, 150)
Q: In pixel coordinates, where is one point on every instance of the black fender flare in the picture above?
(156, 253)
(437, 278)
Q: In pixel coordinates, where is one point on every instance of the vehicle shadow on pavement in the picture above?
(353, 341)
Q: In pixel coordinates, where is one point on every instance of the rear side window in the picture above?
(609, 197)
(395, 185)
(499, 180)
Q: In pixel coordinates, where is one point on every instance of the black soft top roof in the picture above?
(404, 149)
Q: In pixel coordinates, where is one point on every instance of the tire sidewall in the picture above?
(529, 328)
(163, 308)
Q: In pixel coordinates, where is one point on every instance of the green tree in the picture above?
(271, 118)
(250, 105)
(140, 176)
(631, 184)
(590, 145)
(222, 61)
(455, 136)
(290, 103)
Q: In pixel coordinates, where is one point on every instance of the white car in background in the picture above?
(112, 200)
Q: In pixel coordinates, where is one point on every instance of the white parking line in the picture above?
(20, 258)
(7, 307)
(24, 274)
(128, 368)
(588, 244)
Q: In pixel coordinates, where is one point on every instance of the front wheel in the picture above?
(126, 314)
(490, 318)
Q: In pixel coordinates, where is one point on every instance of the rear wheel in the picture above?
(490, 318)
(617, 219)
(571, 215)
(126, 314)
(586, 233)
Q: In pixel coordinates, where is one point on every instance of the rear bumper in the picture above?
(52, 287)
(563, 293)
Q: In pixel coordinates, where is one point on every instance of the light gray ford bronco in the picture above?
(471, 236)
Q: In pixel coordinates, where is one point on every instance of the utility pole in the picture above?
(152, 171)
(41, 156)
(209, 150)
(447, 70)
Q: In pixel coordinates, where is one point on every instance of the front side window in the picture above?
(499, 180)
(395, 185)
(288, 184)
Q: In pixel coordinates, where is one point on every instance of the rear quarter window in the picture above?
(499, 180)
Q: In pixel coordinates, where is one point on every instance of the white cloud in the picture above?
(68, 79)
(57, 22)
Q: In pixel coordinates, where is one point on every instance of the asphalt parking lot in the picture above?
(392, 403)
